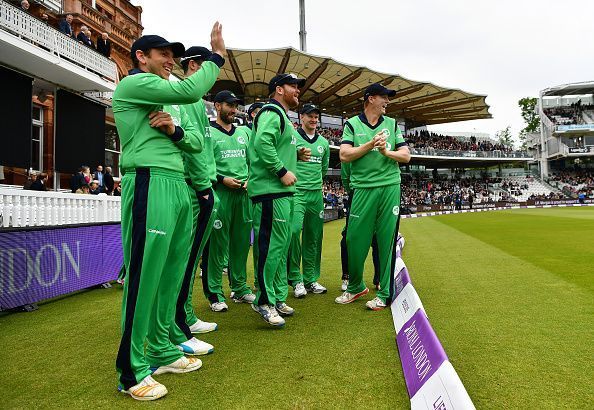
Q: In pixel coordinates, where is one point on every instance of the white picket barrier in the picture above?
(21, 208)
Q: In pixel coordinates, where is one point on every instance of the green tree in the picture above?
(504, 137)
(530, 116)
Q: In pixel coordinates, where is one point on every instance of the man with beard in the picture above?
(231, 230)
(272, 154)
(374, 146)
(156, 206)
(308, 217)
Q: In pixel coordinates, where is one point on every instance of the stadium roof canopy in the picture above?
(338, 87)
(569, 89)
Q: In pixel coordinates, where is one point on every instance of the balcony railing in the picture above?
(19, 208)
(38, 32)
(469, 154)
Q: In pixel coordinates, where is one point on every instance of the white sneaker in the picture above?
(316, 288)
(300, 290)
(203, 327)
(269, 314)
(195, 347)
(345, 285)
(376, 304)
(283, 309)
(347, 297)
(219, 307)
(247, 298)
(182, 365)
(147, 389)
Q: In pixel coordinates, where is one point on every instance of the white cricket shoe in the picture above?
(203, 327)
(283, 309)
(376, 304)
(345, 285)
(269, 314)
(347, 297)
(247, 298)
(300, 290)
(195, 347)
(219, 307)
(316, 288)
(147, 389)
(182, 365)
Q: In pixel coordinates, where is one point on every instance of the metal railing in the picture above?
(46, 37)
(432, 152)
(20, 208)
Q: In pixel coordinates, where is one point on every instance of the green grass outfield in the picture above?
(509, 293)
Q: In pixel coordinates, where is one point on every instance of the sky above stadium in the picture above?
(506, 49)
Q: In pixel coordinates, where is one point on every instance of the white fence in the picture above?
(22, 24)
(21, 208)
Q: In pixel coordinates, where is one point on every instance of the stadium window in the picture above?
(37, 139)
(112, 149)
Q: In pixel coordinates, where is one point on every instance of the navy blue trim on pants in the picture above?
(263, 246)
(139, 212)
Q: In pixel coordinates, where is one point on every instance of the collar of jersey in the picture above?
(302, 132)
(275, 102)
(135, 71)
(363, 119)
(218, 127)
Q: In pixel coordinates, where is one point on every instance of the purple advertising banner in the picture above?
(421, 352)
(44, 263)
(401, 280)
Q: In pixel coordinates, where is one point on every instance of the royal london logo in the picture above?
(217, 224)
(241, 140)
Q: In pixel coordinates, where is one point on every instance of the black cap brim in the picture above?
(310, 110)
(178, 49)
(299, 81)
(232, 100)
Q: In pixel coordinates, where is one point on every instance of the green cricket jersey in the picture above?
(247, 128)
(139, 94)
(230, 149)
(271, 152)
(310, 173)
(200, 168)
(373, 169)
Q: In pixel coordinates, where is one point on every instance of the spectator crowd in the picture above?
(577, 183)
(426, 139)
(567, 115)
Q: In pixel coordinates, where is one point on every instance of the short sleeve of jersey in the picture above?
(347, 134)
(400, 141)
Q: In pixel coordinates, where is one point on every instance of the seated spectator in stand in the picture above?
(65, 25)
(25, 6)
(94, 188)
(98, 175)
(82, 37)
(40, 183)
(83, 190)
(104, 45)
(108, 181)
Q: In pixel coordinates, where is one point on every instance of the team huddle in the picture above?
(194, 191)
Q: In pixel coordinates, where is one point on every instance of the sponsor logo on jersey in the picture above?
(396, 210)
(157, 232)
(280, 220)
(233, 153)
(217, 224)
(321, 149)
(241, 140)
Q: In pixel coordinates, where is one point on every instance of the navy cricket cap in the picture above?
(309, 108)
(226, 96)
(378, 89)
(152, 41)
(282, 79)
(197, 53)
(254, 107)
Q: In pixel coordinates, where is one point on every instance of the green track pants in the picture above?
(204, 210)
(373, 210)
(272, 235)
(156, 233)
(309, 218)
(229, 238)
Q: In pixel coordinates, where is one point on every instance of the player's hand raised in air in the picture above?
(217, 43)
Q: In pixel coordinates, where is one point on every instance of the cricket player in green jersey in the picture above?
(374, 146)
(272, 155)
(156, 206)
(308, 201)
(232, 228)
(200, 174)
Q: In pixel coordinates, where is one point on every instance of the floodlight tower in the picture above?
(302, 32)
